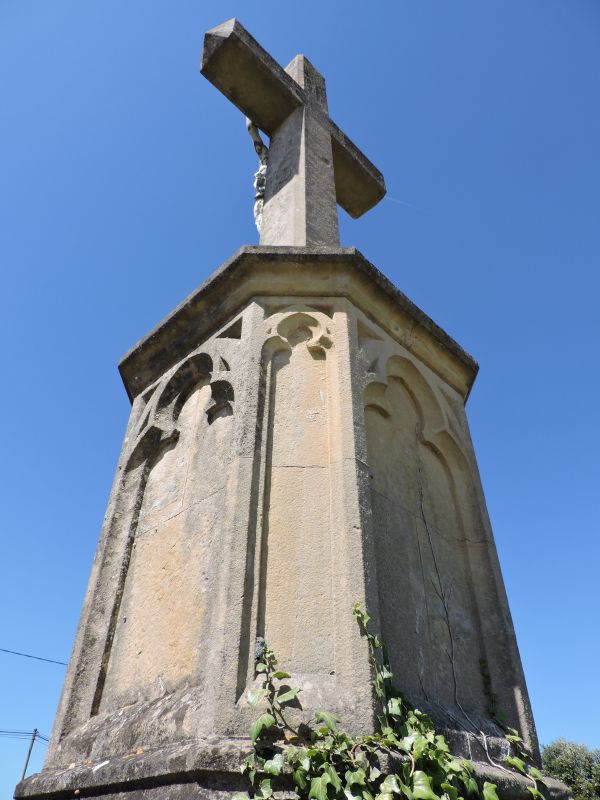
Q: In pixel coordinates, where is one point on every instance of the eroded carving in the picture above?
(295, 542)
(173, 479)
(234, 331)
(424, 520)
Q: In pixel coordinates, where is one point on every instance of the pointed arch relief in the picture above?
(296, 325)
(294, 569)
(178, 471)
(424, 521)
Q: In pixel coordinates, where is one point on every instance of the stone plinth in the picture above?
(297, 442)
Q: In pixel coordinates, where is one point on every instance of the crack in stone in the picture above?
(182, 510)
(395, 504)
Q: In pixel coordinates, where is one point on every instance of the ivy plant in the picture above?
(404, 758)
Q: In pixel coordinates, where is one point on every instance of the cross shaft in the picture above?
(312, 164)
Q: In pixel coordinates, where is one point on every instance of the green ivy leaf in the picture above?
(329, 720)
(303, 759)
(361, 615)
(275, 765)
(394, 706)
(292, 753)
(390, 785)
(249, 766)
(355, 777)
(264, 722)
(318, 787)
(419, 747)
(471, 787)
(265, 790)
(349, 794)
(299, 777)
(450, 790)
(421, 787)
(536, 775)
(534, 791)
(287, 697)
(254, 696)
(319, 765)
(406, 791)
(407, 742)
(517, 763)
(334, 777)
(489, 791)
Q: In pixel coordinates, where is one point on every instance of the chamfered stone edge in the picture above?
(319, 272)
(202, 769)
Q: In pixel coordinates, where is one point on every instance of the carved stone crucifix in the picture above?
(312, 165)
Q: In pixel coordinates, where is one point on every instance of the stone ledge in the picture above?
(302, 271)
(199, 770)
(211, 763)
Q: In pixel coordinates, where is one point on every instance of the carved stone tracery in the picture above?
(157, 525)
(295, 542)
(424, 523)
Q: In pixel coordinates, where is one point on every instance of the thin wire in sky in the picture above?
(404, 203)
(24, 735)
(37, 658)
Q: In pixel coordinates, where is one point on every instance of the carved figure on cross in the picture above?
(311, 164)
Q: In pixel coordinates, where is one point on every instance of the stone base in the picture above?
(201, 770)
(184, 771)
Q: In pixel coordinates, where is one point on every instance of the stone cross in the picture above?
(298, 442)
(312, 165)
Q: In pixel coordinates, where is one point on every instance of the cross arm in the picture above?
(359, 185)
(234, 62)
(245, 73)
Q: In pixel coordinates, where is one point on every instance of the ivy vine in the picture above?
(404, 758)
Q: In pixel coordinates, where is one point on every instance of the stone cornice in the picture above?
(275, 271)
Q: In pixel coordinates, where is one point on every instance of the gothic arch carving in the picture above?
(424, 519)
(175, 470)
(294, 535)
(159, 426)
(286, 329)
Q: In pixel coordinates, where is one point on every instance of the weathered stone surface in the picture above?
(300, 201)
(198, 771)
(306, 453)
(297, 443)
(311, 162)
(309, 272)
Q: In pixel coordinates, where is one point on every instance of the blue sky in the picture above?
(126, 180)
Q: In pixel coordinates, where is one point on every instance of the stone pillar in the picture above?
(297, 442)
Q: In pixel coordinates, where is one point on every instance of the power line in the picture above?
(37, 658)
(23, 735)
(28, 733)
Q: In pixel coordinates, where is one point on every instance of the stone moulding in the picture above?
(313, 272)
(198, 771)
